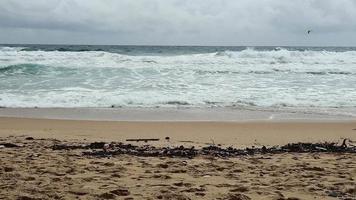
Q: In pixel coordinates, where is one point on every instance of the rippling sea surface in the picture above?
(295, 78)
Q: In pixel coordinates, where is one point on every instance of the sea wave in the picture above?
(21, 68)
(9, 49)
(29, 68)
(268, 78)
(277, 59)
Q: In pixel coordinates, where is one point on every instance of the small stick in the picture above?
(145, 140)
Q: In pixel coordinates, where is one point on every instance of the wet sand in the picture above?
(182, 114)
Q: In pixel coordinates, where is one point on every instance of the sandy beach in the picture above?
(37, 172)
(193, 133)
(177, 100)
(34, 171)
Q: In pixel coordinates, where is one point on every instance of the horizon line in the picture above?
(172, 45)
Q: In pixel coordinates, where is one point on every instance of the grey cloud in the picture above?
(198, 22)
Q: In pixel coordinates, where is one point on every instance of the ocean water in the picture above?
(273, 78)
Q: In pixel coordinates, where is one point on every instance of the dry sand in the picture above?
(34, 171)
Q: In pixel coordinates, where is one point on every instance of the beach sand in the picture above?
(35, 171)
(193, 133)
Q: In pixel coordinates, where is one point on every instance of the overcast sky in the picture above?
(179, 22)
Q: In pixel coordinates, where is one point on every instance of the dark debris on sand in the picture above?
(9, 145)
(101, 149)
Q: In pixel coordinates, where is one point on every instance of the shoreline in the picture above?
(176, 114)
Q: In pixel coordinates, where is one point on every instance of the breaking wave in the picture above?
(97, 76)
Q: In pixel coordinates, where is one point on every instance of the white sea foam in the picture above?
(275, 79)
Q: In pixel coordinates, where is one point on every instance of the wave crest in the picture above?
(22, 69)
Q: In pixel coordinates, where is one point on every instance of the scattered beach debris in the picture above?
(344, 144)
(94, 145)
(142, 140)
(29, 138)
(109, 164)
(97, 145)
(9, 145)
(101, 149)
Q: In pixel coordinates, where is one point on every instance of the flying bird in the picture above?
(309, 31)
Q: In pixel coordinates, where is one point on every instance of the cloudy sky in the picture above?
(179, 22)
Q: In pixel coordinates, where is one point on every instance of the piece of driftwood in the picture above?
(142, 140)
(94, 145)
